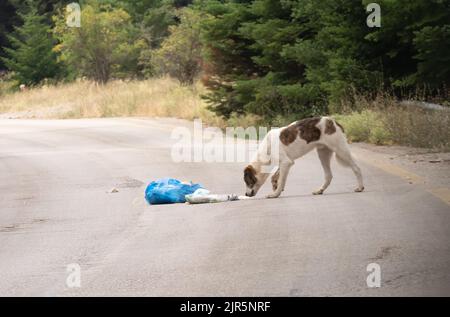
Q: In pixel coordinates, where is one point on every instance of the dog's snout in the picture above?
(252, 193)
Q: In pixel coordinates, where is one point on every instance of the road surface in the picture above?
(57, 209)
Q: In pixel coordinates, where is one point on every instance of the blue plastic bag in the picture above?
(168, 191)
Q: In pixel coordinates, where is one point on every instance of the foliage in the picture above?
(105, 45)
(383, 120)
(7, 19)
(277, 60)
(180, 53)
(365, 126)
(30, 56)
(305, 57)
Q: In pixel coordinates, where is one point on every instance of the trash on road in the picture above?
(169, 191)
(202, 196)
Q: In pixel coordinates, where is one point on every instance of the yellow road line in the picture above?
(392, 169)
(442, 193)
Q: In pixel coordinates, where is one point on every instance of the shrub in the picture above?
(365, 126)
(105, 46)
(180, 54)
(418, 127)
(385, 121)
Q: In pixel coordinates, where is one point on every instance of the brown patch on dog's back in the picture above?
(308, 130)
(329, 127)
(289, 134)
(250, 176)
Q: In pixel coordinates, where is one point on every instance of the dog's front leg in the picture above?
(274, 179)
(283, 172)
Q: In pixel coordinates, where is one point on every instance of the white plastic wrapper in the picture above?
(203, 196)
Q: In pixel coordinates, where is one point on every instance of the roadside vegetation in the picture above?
(158, 97)
(161, 97)
(385, 121)
(233, 62)
(382, 121)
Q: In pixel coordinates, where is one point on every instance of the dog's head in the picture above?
(253, 180)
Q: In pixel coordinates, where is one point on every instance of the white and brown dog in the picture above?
(295, 140)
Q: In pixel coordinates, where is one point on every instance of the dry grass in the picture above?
(384, 121)
(365, 126)
(381, 120)
(418, 127)
(162, 97)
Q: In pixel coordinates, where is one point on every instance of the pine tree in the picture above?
(228, 56)
(7, 20)
(297, 58)
(31, 55)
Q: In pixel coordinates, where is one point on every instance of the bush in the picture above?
(7, 84)
(180, 54)
(418, 127)
(365, 126)
(387, 122)
(105, 46)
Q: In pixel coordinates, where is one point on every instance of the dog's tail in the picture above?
(331, 126)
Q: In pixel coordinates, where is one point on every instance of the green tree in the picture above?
(304, 57)
(228, 56)
(154, 17)
(433, 52)
(8, 18)
(180, 54)
(106, 45)
(31, 56)
(413, 43)
(334, 51)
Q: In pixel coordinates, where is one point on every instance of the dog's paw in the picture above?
(318, 192)
(273, 195)
(359, 189)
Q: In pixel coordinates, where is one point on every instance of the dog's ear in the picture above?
(250, 176)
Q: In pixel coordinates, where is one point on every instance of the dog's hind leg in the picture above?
(344, 157)
(325, 158)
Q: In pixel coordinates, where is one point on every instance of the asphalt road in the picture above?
(56, 209)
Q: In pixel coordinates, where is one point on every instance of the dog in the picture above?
(295, 140)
